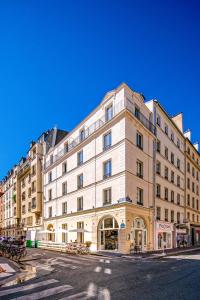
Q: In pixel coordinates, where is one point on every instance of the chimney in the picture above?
(188, 134)
(196, 146)
(178, 120)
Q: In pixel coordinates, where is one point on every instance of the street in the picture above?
(61, 276)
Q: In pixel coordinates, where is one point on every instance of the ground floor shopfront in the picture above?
(194, 233)
(114, 228)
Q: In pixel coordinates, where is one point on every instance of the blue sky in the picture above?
(59, 58)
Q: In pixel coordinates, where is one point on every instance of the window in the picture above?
(139, 169)
(158, 167)
(33, 170)
(80, 181)
(166, 152)
(197, 204)
(166, 193)
(79, 203)
(23, 196)
(197, 190)
(188, 200)
(64, 188)
(193, 172)
(158, 146)
(192, 217)
(172, 216)
(64, 233)
(50, 177)
(66, 148)
(178, 163)
(107, 196)
(166, 129)
(64, 168)
(188, 183)
(178, 143)
(107, 169)
(139, 140)
(51, 159)
(33, 186)
(172, 196)
(178, 181)
(140, 194)
(109, 113)
(158, 120)
(166, 173)
(50, 194)
(158, 213)
(50, 211)
(197, 176)
(188, 216)
(193, 187)
(23, 209)
(137, 111)
(178, 218)
(158, 190)
(178, 199)
(172, 137)
(29, 206)
(29, 192)
(107, 141)
(80, 234)
(192, 202)
(197, 219)
(33, 202)
(80, 158)
(64, 208)
(172, 176)
(172, 158)
(166, 214)
(82, 135)
(188, 167)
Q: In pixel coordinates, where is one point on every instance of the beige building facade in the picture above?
(192, 197)
(169, 224)
(98, 181)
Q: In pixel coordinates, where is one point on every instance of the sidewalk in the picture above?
(9, 270)
(151, 254)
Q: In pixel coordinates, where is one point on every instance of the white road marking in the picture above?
(27, 287)
(97, 269)
(7, 268)
(108, 271)
(104, 294)
(101, 260)
(107, 261)
(45, 293)
(76, 296)
(75, 261)
(92, 290)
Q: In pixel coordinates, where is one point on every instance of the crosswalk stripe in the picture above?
(75, 261)
(27, 287)
(98, 269)
(45, 293)
(76, 296)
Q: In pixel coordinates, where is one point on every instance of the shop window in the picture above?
(64, 233)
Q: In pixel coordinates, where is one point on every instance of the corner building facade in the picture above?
(98, 181)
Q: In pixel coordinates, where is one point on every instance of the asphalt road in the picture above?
(61, 276)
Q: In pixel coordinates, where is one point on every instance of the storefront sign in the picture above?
(164, 227)
(122, 225)
(183, 231)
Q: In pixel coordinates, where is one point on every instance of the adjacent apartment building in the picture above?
(169, 177)
(192, 197)
(98, 181)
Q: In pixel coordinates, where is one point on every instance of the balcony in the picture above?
(123, 104)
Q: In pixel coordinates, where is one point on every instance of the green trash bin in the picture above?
(32, 244)
(29, 243)
(36, 244)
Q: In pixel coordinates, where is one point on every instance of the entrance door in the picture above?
(138, 238)
(108, 234)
